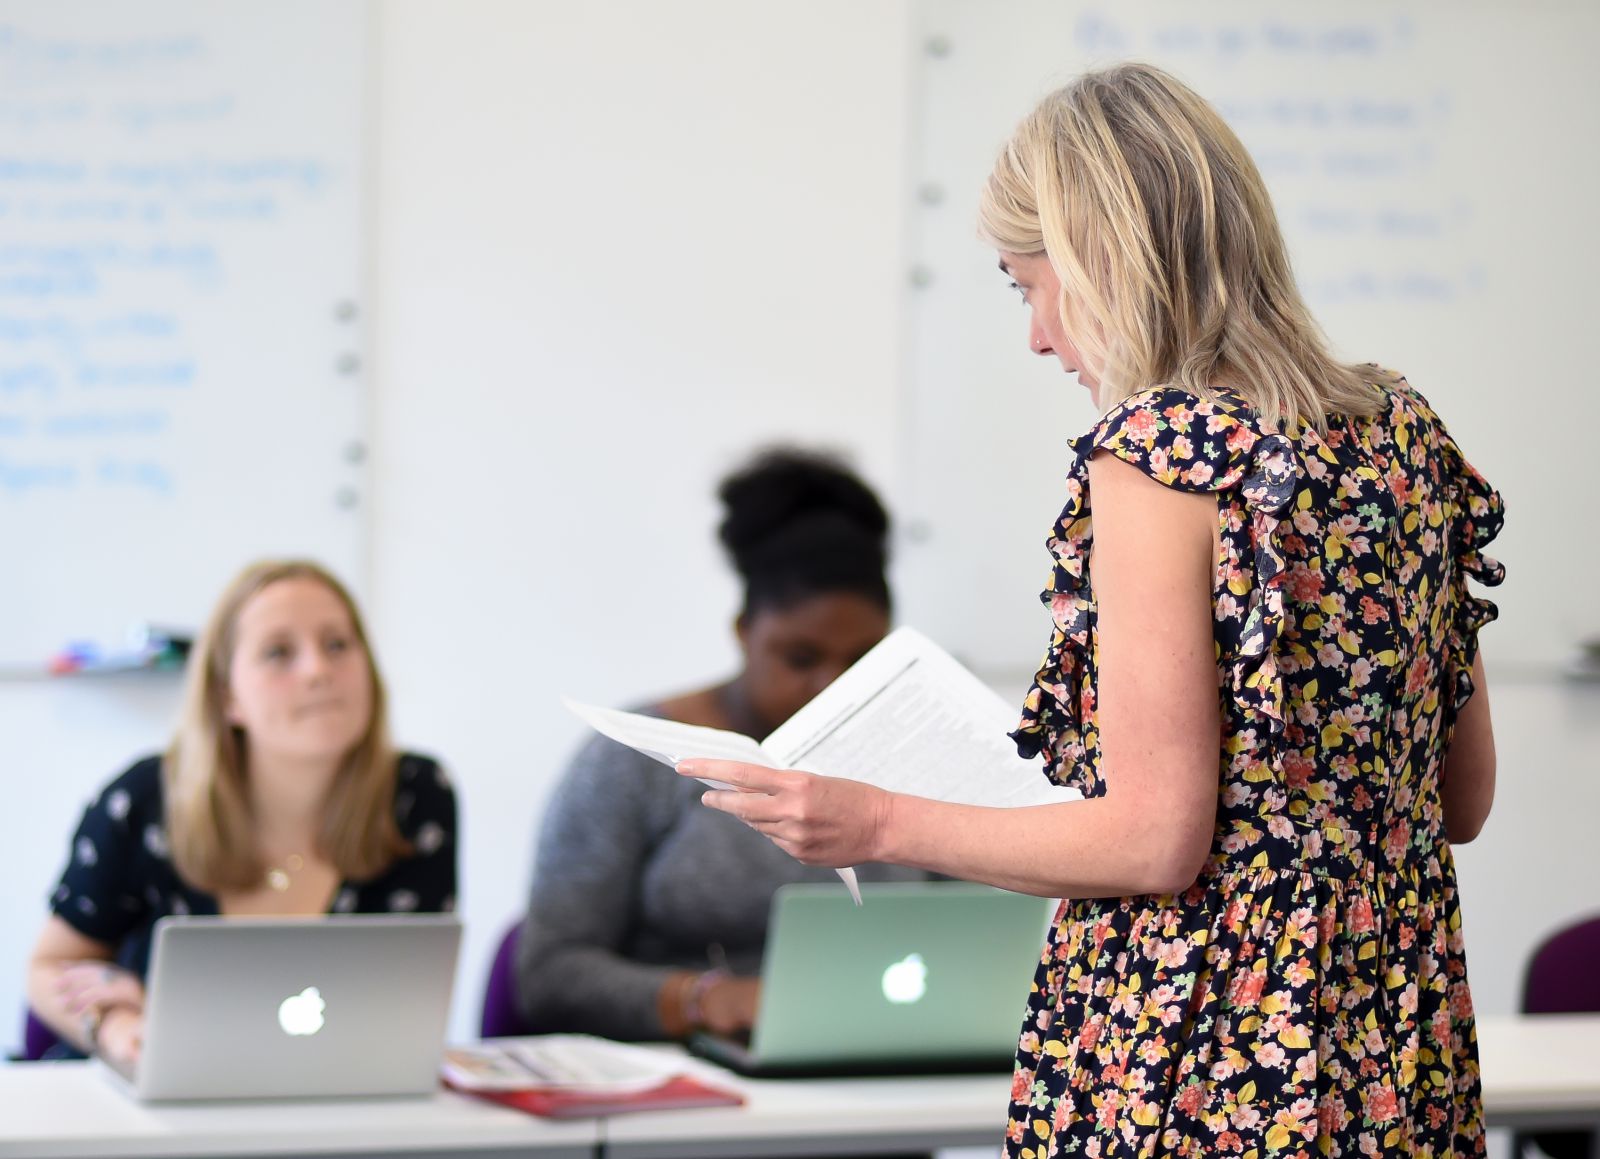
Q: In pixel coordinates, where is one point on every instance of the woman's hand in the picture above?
(121, 1035)
(816, 820)
(729, 1005)
(94, 985)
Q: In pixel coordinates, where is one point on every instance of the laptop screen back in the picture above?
(921, 972)
(297, 1007)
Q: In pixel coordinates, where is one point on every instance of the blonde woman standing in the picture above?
(280, 795)
(1263, 674)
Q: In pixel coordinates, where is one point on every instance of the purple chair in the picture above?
(501, 1018)
(1562, 979)
(39, 1042)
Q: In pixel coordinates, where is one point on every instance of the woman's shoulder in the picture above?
(134, 793)
(421, 771)
(1185, 440)
(423, 793)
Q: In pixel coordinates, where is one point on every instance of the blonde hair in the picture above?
(1172, 267)
(210, 827)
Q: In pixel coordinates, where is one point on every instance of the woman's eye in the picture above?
(276, 652)
(800, 661)
(337, 644)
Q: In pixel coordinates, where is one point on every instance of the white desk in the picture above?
(1537, 1072)
(794, 1117)
(76, 1110)
(1541, 1071)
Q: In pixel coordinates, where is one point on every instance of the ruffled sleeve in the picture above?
(1195, 445)
(1473, 516)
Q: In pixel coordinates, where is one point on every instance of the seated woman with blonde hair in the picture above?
(280, 795)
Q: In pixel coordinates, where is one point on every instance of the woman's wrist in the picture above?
(94, 1021)
(672, 1001)
(694, 1001)
(89, 1029)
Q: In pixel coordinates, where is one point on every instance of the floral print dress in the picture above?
(1307, 996)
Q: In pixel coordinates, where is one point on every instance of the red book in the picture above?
(574, 1076)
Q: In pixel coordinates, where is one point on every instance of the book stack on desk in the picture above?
(573, 1076)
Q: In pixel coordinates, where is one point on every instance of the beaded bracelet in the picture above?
(694, 999)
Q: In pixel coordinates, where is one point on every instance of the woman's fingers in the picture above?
(86, 985)
(742, 777)
(756, 809)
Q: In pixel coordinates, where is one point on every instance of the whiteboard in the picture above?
(181, 265)
(1434, 168)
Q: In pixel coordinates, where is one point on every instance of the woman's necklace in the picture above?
(279, 877)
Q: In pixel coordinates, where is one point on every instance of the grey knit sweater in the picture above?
(635, 878)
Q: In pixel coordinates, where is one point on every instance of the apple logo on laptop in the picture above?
(301, 1014)
(906, 981)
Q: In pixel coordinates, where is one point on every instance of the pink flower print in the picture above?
(1141, 426)
(1372, 612)
(1304, 585)
(1246, 1118)
(1021, 1085)
(1361, 915)
(1397, 839)
(1240, 438)
(1383, 1105)
(1270, 1054)
(1305, 1068)
(1330, 1115)
(1440, 1029)
(1106, 1114)
(1089, 1034)
(1246, 987)
(1191, 1099)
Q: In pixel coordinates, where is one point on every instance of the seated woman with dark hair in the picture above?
(280, 795)
(649, 913)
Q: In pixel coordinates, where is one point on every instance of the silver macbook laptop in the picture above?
(924, 977)
(241, 1008)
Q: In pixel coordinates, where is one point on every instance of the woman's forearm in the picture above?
(49, 1002)
(1103, 847)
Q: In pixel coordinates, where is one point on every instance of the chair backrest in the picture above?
(1561, 977)
(39, 1042)
(501, 1018)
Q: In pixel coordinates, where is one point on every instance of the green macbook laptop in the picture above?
(923, 978)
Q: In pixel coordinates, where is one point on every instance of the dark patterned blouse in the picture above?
(119, 880)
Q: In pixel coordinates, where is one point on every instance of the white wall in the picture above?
(617, 244)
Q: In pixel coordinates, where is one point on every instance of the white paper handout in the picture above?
(906, 717)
